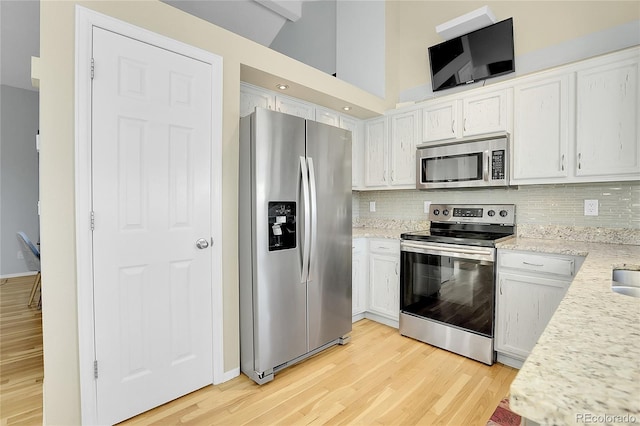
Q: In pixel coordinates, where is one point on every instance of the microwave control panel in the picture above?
(497, 164)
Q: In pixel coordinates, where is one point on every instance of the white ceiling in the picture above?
(258, 20)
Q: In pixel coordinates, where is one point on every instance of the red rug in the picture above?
(503, 416)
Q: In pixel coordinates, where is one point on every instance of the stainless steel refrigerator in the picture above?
(294, 240)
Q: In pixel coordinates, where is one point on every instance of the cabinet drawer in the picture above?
(359, 245)
(384, 246)
(538, 263)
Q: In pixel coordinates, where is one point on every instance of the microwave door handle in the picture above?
(485, 168)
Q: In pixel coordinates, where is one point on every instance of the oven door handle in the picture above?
(461, 252)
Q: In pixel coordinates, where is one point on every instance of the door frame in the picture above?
(86, 19)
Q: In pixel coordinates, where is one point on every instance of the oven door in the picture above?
(449, 284)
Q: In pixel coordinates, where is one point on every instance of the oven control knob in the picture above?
(436, 212)
(503, 213)
(445, 212)
(491, 213)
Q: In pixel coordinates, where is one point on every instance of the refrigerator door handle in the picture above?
(307, 220)
(314, 213)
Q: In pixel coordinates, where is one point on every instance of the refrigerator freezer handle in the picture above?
(307, 221)
(314, 213)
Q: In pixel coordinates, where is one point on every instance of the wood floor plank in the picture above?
(21, 360)
(379, 378)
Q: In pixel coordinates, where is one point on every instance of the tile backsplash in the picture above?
(618, 203)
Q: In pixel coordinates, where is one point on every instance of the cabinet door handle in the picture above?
(384, 176)
(500, 287)
(579, 161)
(391, 175)
(532, 264)
(396, 268)
(453, 126)
(464, 125)
(562, 163)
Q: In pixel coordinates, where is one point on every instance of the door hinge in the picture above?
(95, 369)
(93, 220)
(93, 68)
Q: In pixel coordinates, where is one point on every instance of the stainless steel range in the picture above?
(447, 277)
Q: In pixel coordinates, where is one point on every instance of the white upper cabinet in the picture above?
(486, 112)
(390, 150)
(579, 123)
(478, 112)
(542, 128)
(404, 137)
(295, 107)
(252, 97)
(327, 116)
(607, 138)
(357, 154)
(375, 148)
(439, 121)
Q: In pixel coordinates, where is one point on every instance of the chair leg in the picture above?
(36, 285)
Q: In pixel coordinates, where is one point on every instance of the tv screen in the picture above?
(478, 55)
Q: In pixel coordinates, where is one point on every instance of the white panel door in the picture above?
(151, 171)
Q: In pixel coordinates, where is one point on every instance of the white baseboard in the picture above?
(381, 319)
(357, 317)
(509, 361)
(19, 274)
(228, 375)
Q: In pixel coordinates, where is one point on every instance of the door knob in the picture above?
(202, 243)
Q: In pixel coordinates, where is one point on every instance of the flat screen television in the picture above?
(478, 55)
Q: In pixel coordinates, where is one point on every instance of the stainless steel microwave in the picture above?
(470, 163)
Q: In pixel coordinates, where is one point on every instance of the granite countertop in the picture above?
(587, 361)
(361, 232)
(385, 228)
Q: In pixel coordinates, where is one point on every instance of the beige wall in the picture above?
(537, 25)
(406, 50)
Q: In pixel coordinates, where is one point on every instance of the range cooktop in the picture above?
(467, 224)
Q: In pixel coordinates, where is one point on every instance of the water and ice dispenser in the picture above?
(282, 225)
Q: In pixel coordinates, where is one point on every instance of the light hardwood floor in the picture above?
(21, 365)
(379, 378)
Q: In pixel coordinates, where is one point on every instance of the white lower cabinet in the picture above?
(529, 289)
(359, 277)
(384, 278)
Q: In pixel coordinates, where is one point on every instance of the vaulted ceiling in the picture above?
(258, 20)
